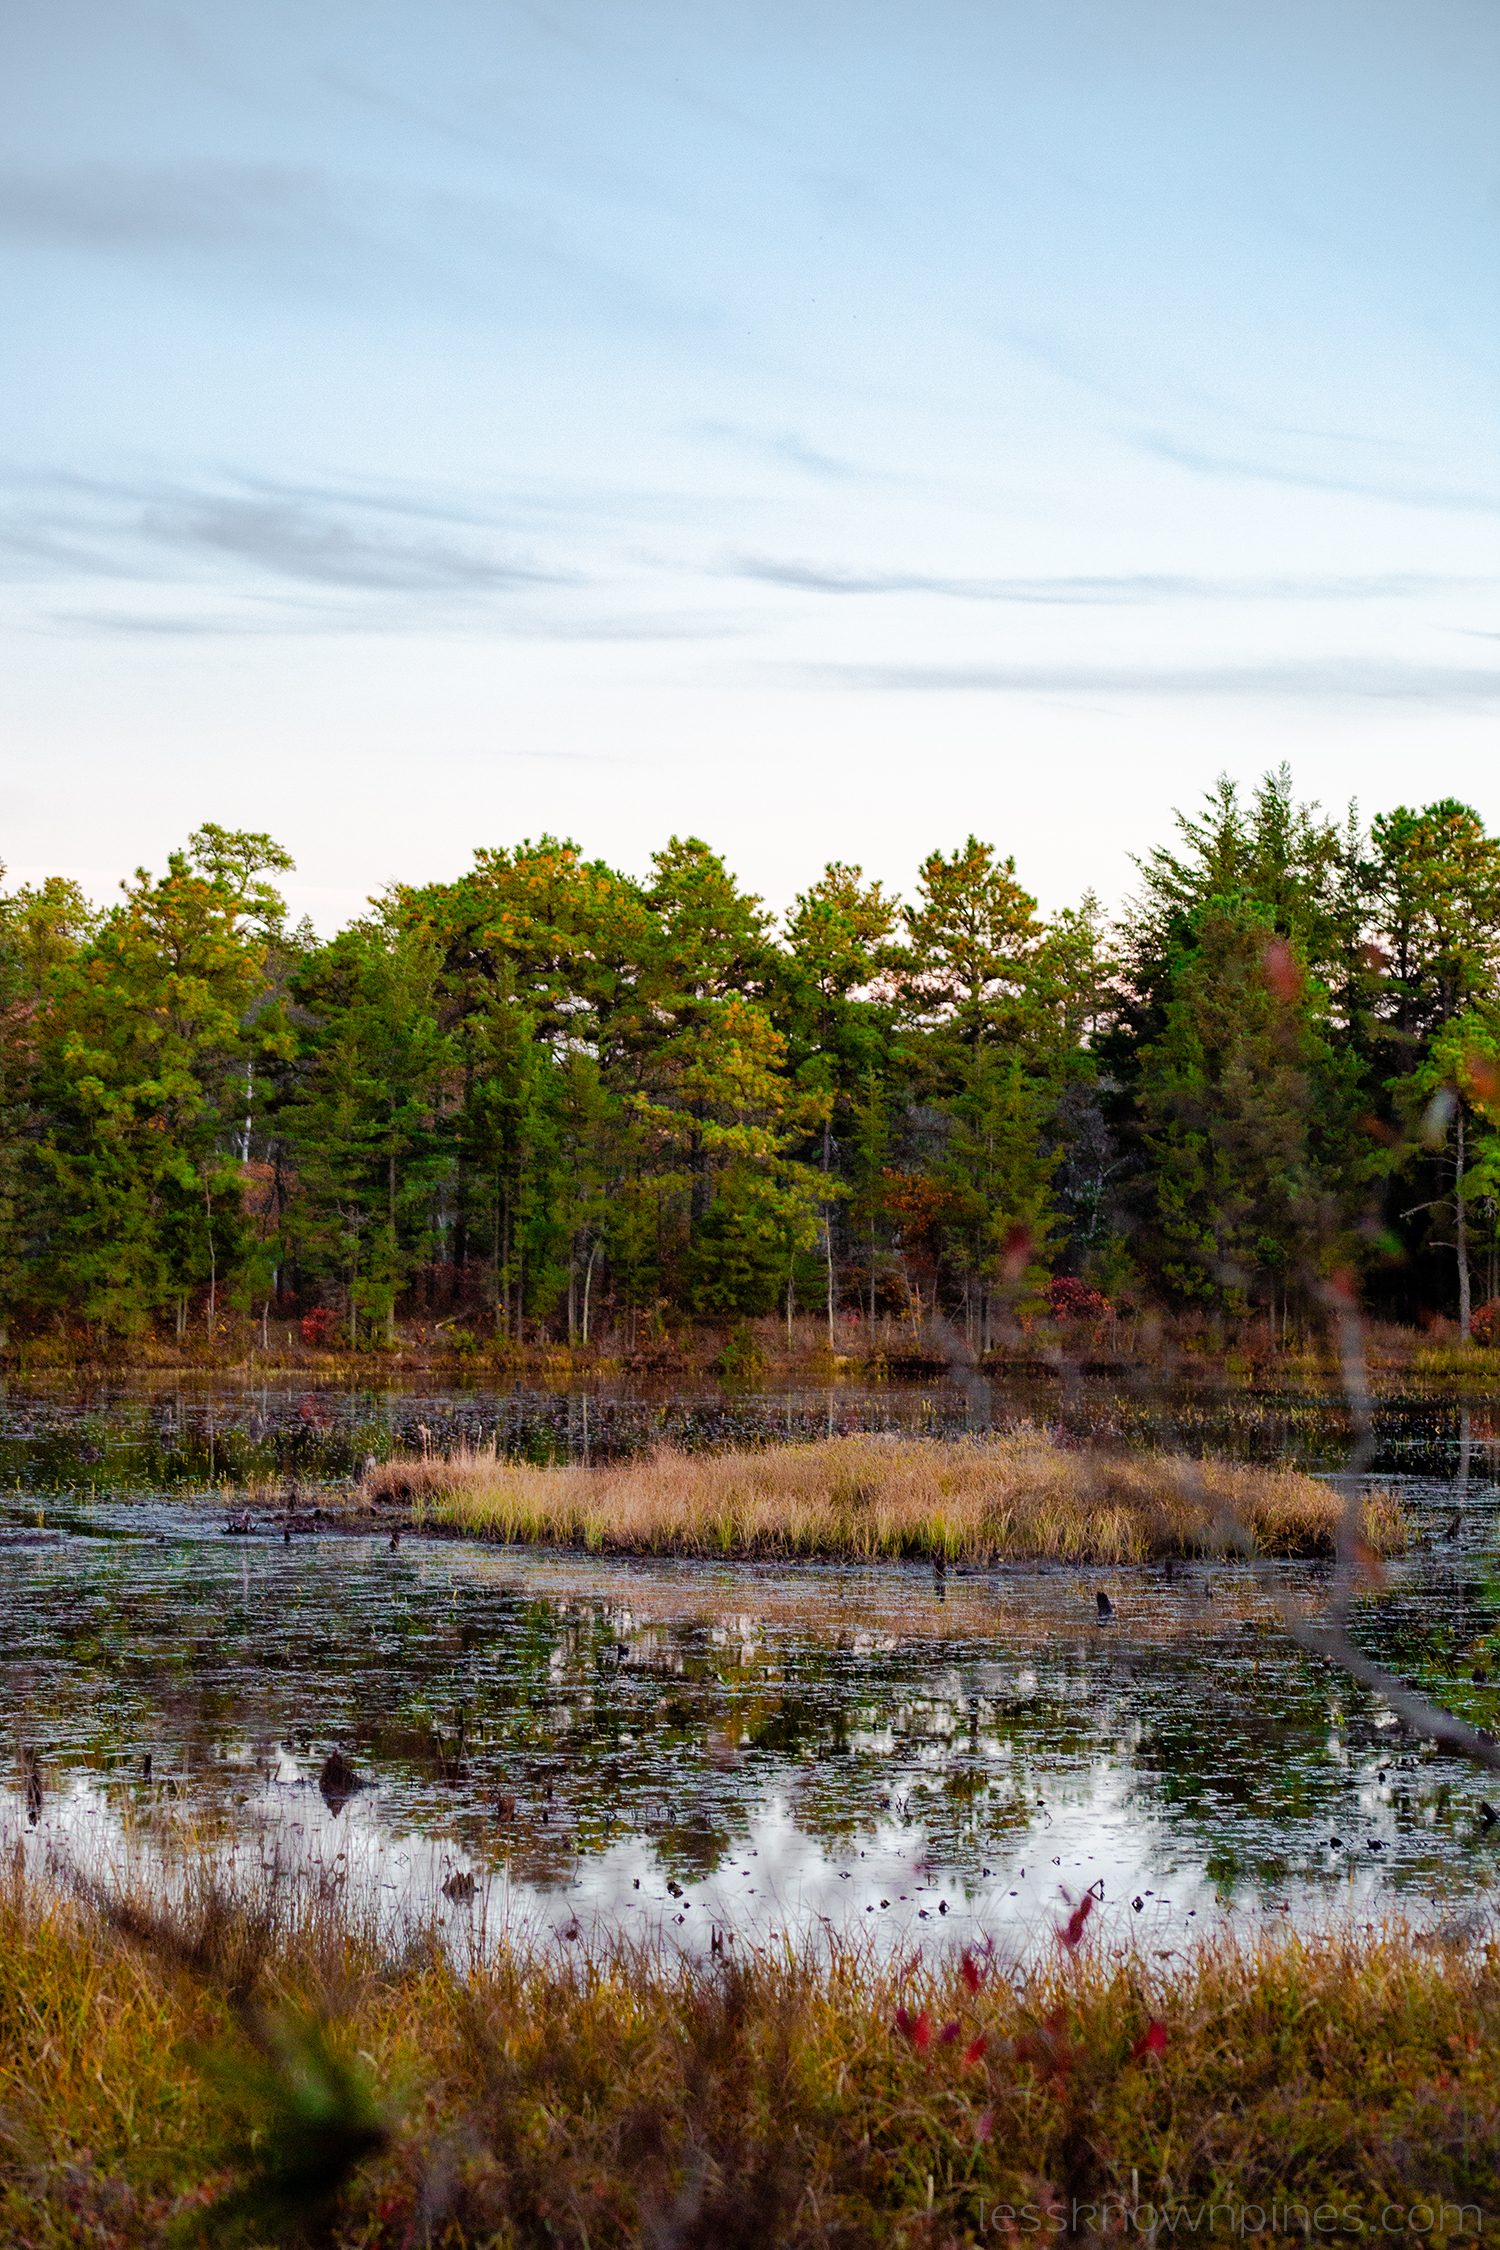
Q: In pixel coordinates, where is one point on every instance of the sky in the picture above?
(827, 430)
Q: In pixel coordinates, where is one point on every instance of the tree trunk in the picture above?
(1462, 1235)
(828, 1244)
(587, 1282)
(390, 1310)
(461, 1178)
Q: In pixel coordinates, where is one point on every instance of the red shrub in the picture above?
(1068, 1299)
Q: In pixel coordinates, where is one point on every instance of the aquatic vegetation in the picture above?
(158, 2077)
(1016, 1495)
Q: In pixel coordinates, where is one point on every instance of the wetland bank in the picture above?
(841, 1774)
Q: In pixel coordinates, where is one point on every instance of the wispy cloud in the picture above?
(366, 543)
(195, 205)
(1320, 678)
(344, 229)
(788, 446)
(282, 616)
(1087, 591)
(158, 559)
(1402, 491)
(143, 625)
(300, 540)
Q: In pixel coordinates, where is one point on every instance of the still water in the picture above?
(574, 1746)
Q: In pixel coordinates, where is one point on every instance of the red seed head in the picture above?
(974, 2052)
(973, 1974)
(949, 2032)
(1153, 2041)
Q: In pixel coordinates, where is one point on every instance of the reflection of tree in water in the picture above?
(696, 1845)
(140, 1440)
(592, 1725)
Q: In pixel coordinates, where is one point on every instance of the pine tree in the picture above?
(1244, 1104)
(358, 1116)
(148, 1036)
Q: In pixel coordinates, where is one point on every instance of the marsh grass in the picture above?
(1018, 1496)
(158, 2078)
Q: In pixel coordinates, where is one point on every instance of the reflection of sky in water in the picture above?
(789, 1748)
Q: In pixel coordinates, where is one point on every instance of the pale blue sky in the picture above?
(827, 429)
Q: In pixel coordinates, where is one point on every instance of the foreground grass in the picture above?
(1017, 1496)
(267, 2086)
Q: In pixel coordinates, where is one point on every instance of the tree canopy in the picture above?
(550, 1094)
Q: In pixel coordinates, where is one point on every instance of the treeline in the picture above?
(549, 1098)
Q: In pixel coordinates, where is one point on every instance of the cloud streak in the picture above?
(1084, 591)
(310, 545)
(1162, 446)
(791, 447)
(1329, 678)
(360, 544)
(158, 560)
(204, 205)
(349, 230)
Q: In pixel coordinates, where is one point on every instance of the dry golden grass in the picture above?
(377, 2103)
(1016, 1497)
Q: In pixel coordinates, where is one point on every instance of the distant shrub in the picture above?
(1068, 1299)
(319, 1327)
(1485, 1325)
(741, 1360)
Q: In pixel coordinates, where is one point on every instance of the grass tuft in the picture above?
(1019, 1496)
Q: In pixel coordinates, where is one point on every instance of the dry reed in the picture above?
(1012, 1497)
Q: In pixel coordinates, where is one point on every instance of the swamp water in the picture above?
(575, 1746)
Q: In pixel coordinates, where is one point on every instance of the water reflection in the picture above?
(173, 1432)
(745, 1749)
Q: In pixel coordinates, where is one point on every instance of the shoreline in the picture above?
(1414, 1368)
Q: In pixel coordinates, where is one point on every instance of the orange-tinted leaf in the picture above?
(1483, 1075)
